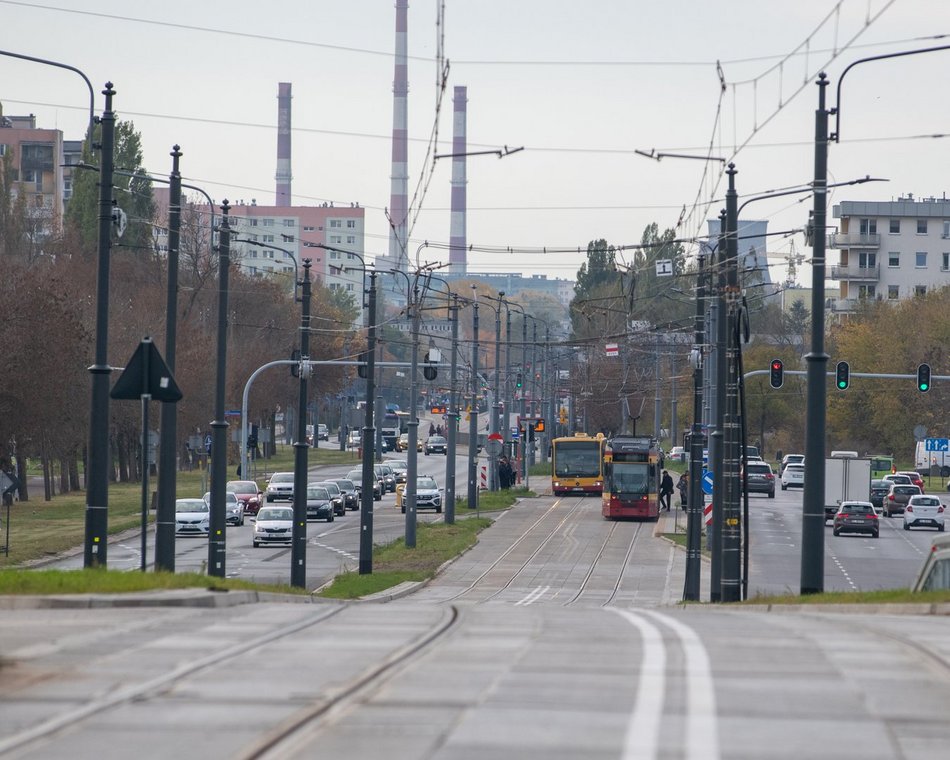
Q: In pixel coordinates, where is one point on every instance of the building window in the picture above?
(351, 224)
(334, 286)
(335, 239)
(334, 255)
(869, 226)
(945, 262)
(3, 149)
(946, 227)
(252, 222)
(334, 223)
(893, 260)
(349, 287)
(895, 227)
(267, 238)
(253, 254)
(921, 260)
(866, 291)
(351, 239)
(921, 226)
(867, 260)
(308, 228)
(893, 292)
(268, 222)
(288, 222)
(920, 290)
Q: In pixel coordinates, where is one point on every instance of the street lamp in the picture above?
(494, 417)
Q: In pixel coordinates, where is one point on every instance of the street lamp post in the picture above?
(219, 427)
(366, 495)
(409, 495)
(473, 414)
(298, 551)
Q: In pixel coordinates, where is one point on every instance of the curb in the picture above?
(199, 597)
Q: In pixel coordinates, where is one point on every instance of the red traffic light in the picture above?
(776, 373)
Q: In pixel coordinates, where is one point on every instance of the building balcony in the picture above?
(854, 240)
(856, 273)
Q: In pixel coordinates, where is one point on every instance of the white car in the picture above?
(233, 508)
(192, 517)
(793, 475)
(428, 495)
(923, 511)
(677, 454)
(280, 487)
(935, 573)
(791, 459)
(274, 525)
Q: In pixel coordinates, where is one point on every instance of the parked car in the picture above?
(357, 477)
(856, 517)
(336, 496)
(280, 487)
(385, 473)
(934, 574)
(793, 475)
(273, 525)
(428, 495)
(192, 517)
(435, 444)
(879, 491)
(323, 432)
(677, 454)
(791, 459)
(319, 503)
(923, 511)
(915, 478)
(248, 493)
(351, 497)
(760, 478)
(898, 497)
(234, 509)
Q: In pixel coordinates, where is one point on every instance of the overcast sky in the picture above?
(580, 85)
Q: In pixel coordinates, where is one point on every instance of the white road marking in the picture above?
(643, 730)
(536, 594)
(341, 552)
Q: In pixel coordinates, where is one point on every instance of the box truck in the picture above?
(847, 478)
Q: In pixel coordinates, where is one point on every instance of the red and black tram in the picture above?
(631, 477)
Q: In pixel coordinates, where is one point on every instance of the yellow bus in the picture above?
(577, 464)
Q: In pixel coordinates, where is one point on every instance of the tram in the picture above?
(631, 478)
(577, 463)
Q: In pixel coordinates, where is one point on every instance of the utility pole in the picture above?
(473, 418)
(409, 495)
(656, 396)
(366, 495)
(453, 416)
(674, 403)
(219, 427)
(496, 401)
(298, 550)
(716, 441)
(168, 444)
(695, 507)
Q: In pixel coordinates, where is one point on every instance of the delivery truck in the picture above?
(847, 478)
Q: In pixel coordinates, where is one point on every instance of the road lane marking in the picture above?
(643, 729)
(536, 594)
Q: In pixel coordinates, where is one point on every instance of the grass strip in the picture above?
(436, 543)
(99, 581)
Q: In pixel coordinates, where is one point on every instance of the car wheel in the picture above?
(242, 522)
(772, 494)
(439, 510)
(875, 535)
(784, 487)
(906, 526)
(256, 544)
(403, 510)
(330, 516)
(270, 499)
(836, 532)
(940, 527)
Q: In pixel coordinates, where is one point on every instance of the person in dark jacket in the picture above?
(505, 473)
(666, 490)
(682, 485)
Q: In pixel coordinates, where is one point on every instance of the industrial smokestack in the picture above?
(283, 144)
(399, 198)
(457, 239)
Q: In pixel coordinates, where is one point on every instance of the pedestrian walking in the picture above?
(682, 485)
(666, 490)
(505, 473)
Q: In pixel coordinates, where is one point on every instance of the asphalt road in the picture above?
(557, 636)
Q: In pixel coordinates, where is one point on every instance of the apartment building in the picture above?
(890, 250)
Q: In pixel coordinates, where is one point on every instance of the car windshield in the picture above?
(275, 514)
(229, 497)
(759, 469)
(345, 485)
(436, 439)
(905, 490)
(426, 483)
(899, 479)
(242, 486)
(332, 487)
(856, 508)
(315, 493)
(191, 505)
(282, 477)
(926, 501)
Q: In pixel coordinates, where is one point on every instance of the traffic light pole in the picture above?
(298, 531)
(366, 495)
(473, 418)
(453, 416)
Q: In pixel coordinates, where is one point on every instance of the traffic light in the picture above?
(776, 373)
(539, 426)
(923, 378)
(429, 372)
(519, 382)
(562, 416)
(361, 369)
(842, 376)
(295, 358)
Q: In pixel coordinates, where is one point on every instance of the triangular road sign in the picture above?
(146, 373)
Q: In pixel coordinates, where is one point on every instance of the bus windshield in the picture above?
(577, 459)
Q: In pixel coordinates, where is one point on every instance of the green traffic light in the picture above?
(923, 386)
(842, 384)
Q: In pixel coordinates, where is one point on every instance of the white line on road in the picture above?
(536, 594)
(643, 730)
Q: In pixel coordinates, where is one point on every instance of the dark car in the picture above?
(435, 444)
(357, 477)
(898, 497)
(351, 496)
(385, 473)
(319, 503)
(336, 496)
(879, 491)
(760, 478)
(856, 517)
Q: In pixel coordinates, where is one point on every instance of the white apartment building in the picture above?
(890, 250)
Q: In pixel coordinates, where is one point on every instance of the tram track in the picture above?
(594, 563)
(514, 545)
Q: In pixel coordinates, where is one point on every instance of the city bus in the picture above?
(631, 478)
(577, 464)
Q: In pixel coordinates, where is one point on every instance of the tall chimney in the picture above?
(399, 198)
(283, 144)
(457, 239)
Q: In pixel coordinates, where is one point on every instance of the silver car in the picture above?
(192, 517)
(233, 508)
(280, 487)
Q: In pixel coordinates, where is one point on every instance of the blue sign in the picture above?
(707, 481)
(208, 443)
(937, 444)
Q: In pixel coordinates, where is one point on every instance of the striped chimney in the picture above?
(399, 192)
(283, 144)
(457, 241)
